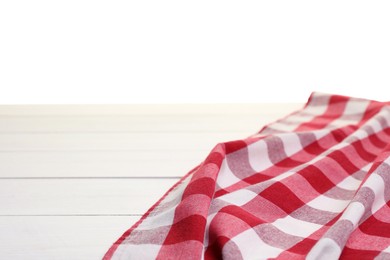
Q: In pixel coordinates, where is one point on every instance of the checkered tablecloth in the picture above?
(315, 185)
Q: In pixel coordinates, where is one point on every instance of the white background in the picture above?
(192, 51)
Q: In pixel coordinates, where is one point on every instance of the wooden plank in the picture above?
(113, 141)
(107, 164)
(147, 109)
(58, 237)
(91, 145)
(74, 208)
(80, 196)
(244, 123)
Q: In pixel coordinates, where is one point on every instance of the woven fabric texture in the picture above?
(314, 185)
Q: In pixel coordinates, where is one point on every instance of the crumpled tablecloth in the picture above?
(315, 185)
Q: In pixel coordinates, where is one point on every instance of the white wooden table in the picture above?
(73, 178)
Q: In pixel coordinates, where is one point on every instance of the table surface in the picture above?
(73, 178)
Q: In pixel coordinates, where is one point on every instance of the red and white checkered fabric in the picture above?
(315, 185)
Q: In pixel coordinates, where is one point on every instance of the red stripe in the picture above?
(305, 155)
(372, 109)
(343, 161)
(317, 179)
(234, 146)
(374, 227)
(127, 233)
(334, 110)
(363, 153)
(283, 197)
(214, 157)
(190, 228)
(214, 251)
(279, 198)
(303, 247)
(204, 186)
(378, 142)
(353, 254)
(243, 215)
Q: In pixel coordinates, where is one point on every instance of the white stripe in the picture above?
(130, 251)
(299, 118)
(178, 190)
(377, 185)
(296, 227)
(328, 204)
(349, 183)
(239, 197)
(258, 156)
(340, 122)
(160, 220)
(387, 250)
(226, 177)
(318, 109)
(325, 249)
(282, 176)
(356, 107)
(360, 134)
(161, 216)
(386, 113)
(352, 114)
(252, 247)
(291, 143)
(375, 125)
(283, 127)
(207, 229)
(353, 213)
(320, 133)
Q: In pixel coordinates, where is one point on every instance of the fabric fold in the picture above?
(314, 184)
